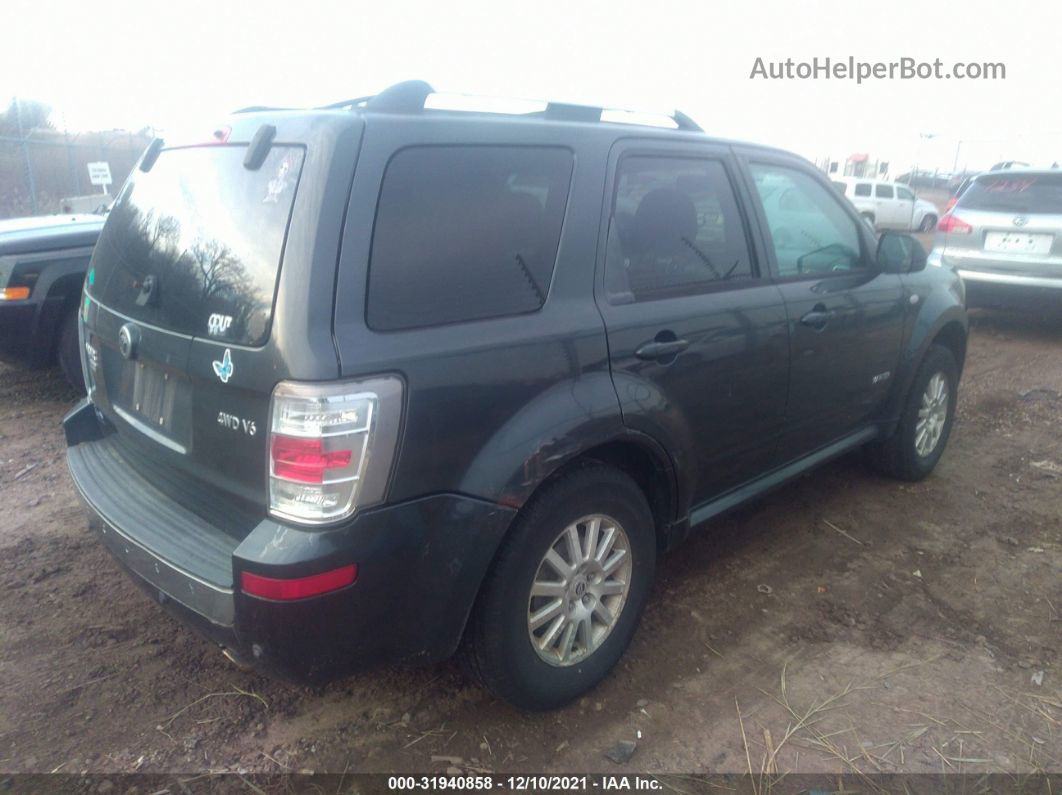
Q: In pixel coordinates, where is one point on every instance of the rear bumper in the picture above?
(420, 564)
(987, 289)
(983, 278)
(986, 268)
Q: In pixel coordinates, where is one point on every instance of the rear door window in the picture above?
(1015, 193)
(466, 233)
(675, 230)
(883, 191)
(194, 245)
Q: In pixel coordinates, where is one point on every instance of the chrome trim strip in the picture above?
(140, 323)
(181, 334)
(148, 431)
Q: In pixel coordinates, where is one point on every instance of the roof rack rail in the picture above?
(411, 95)
(346, 103)
(258, 108)
(562, 111)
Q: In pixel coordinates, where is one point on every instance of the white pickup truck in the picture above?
(888, 205)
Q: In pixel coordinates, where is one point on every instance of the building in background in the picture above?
(855, 165)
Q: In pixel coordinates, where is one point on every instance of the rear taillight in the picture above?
(951, 203)
(306, 460)
(953, 226)
(331, 447)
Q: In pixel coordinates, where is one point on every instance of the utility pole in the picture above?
(922, 136)
(26, 157)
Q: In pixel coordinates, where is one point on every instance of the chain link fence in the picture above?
(42, 167)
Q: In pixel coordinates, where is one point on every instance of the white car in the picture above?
(888, 205)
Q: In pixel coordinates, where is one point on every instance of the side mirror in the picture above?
(898, 253)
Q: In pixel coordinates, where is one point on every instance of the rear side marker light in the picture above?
(14, 293)
(287, 590)
(953, 226)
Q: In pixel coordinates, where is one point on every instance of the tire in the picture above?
(928, 224)
(899, 455)
(498, 650)
(68, 351)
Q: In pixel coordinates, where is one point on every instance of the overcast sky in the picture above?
(106, 64)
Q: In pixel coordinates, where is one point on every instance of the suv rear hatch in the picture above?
(181, 298)
(1007, 223)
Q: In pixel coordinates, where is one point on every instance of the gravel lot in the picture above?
(844, 623)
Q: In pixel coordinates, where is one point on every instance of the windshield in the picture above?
(194, 245)
(1015, 193)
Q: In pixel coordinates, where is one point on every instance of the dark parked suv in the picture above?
(375, 382)
(42, 266)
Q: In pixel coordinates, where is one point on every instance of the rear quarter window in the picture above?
(862, 189)
(466, 233)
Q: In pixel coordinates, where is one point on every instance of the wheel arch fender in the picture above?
(550, 431)
(63, 277)
(939, 321)
(583, 424)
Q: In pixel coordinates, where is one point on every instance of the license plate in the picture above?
(148, 392)
(154, 401)
(1018, 242)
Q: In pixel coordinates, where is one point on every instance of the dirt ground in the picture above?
(846, 622)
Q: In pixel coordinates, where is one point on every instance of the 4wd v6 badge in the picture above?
(234, 423)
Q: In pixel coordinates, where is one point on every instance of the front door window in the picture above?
(811, 233)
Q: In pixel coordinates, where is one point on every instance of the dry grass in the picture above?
(236, 691)
(956, 744)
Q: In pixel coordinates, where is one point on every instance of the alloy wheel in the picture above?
(579, 590)
(932, 415)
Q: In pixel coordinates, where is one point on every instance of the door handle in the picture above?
(661, 349)
(818, 317)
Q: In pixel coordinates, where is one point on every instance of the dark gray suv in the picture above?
(377, 382)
